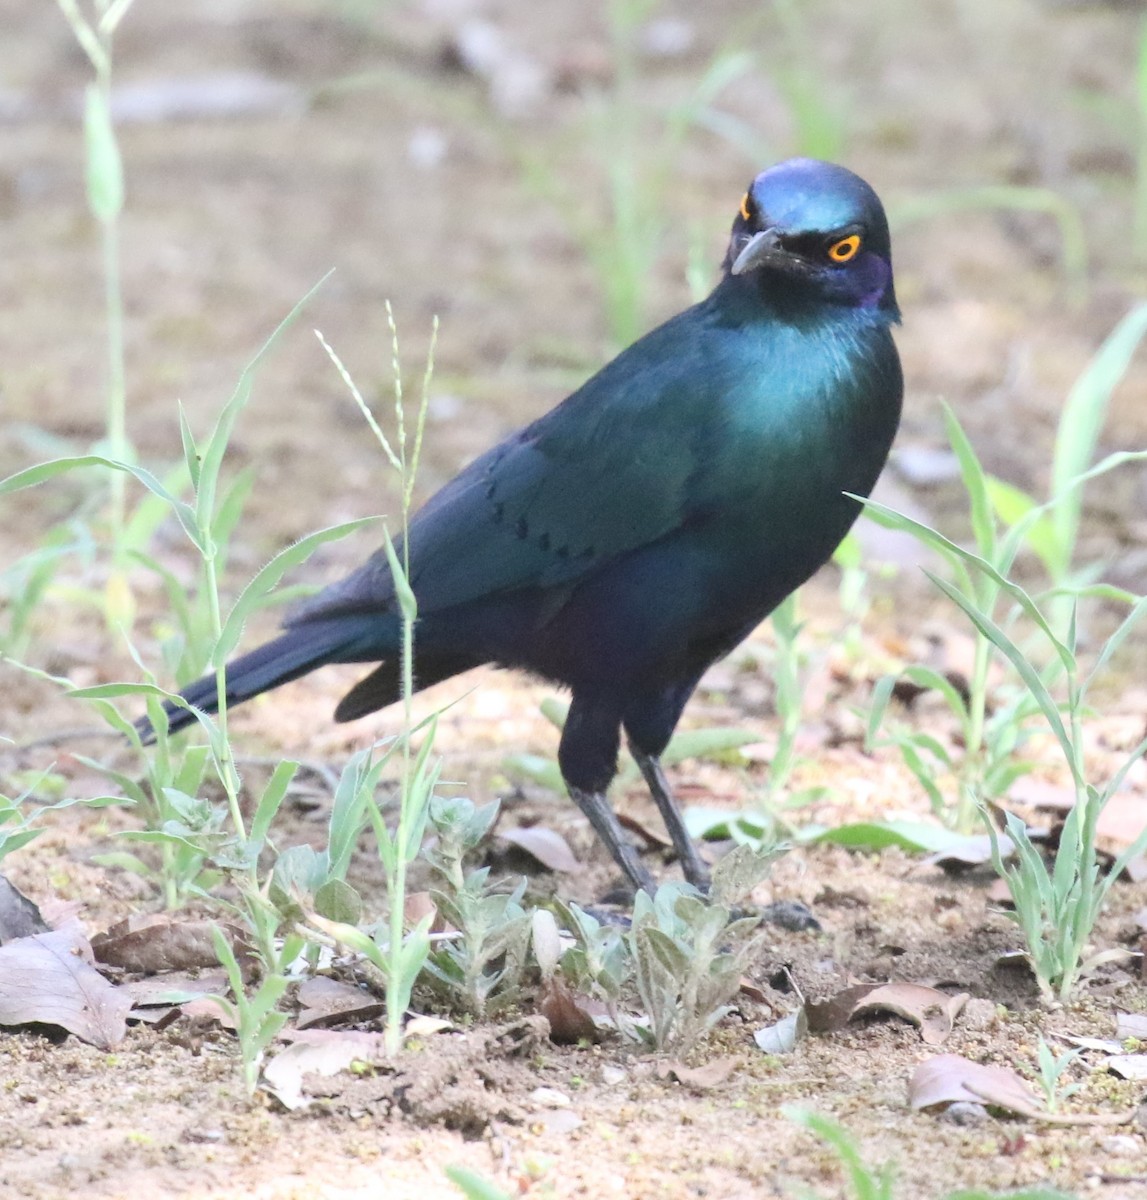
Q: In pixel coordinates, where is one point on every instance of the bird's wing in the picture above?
(604, 473)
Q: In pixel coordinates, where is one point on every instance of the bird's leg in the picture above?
(587, 756)
(608, 828)
(696, 872)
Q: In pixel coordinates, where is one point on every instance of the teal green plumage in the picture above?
(640, 529)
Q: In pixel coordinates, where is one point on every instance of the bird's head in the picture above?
(815, 229)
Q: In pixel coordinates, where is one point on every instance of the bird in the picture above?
(641, 529)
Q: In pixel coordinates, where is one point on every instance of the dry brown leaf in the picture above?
(151, 945)
(567, 1012)
(782, 1037)
(546, 845)
(972, 851)
(19, 916)
(174, 987)
(209, 1008)
(654, 839)
(47, 979)
(329, 1002)
(1127, 1066)
(1131, 1025)
(711, 1075)
(317, 1052)
(950, 1078)
(931, 1010)
(752, 990)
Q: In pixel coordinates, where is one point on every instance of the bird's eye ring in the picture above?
(745, 207)
(845, 249)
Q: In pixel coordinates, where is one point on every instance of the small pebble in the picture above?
(611, 1076)
(964, 1112)
(1122, 1145)
(549, 1097)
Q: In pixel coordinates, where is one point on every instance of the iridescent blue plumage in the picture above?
(642, 528)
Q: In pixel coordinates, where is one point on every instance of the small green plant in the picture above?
(689, 953)
(1057, 908)
(598, 963)
(984, 763)
(483, 962)
(255, 1015)
(1051, 1069)
(105, 189)
(473, 1186)
(869, 1183)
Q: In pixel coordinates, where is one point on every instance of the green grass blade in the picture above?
(253, 594)
(1080, 424)
(1015, 656)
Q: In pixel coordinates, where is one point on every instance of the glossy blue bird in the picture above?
(641, 529)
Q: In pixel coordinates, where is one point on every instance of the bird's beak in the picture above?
(760, 249)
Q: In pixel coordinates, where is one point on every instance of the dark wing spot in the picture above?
(522, 529)
(490, 490)
(544, 541)
(499, 512)
(588, 552)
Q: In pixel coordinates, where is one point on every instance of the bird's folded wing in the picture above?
(586, 484)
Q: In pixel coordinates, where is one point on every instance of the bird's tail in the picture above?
(301, 649)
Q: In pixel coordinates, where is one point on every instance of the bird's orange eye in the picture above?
(846, 248)
(745, 207)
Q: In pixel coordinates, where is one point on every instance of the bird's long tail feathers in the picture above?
(303, 648)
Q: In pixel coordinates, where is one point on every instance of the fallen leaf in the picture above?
(931, 1010)
(329, 1002)
(567, 1012)
(546, 845)
(711, 1075)
(317, 1052)
(47, 979)
(948, 1078)
(174, 987)
(424, 1026)
(19, 916)
(153, 944)
(782, 1038)
(973, 851)
(1127, 1066)
(1131, 1025)
(1103, 1045)
(752, 990)
(651, 837)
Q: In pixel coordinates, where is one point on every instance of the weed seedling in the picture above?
(689, 953)
(484, 960)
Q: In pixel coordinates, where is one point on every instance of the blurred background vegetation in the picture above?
(551, 180)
